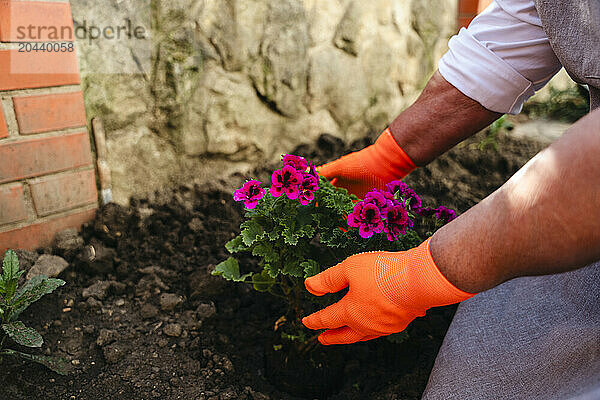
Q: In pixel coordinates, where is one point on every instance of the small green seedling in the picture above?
(13, 301)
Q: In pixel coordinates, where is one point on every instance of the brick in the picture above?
(3, 126)
(56, 193)
(38, 156)
(12, 204)
(43, 113)
(29, 70)
(50, 21)
(468, 6)
(42, 233)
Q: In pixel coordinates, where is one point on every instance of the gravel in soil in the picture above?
(142, 318)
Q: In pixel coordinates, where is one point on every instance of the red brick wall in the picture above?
(47, 180)
(468, 9)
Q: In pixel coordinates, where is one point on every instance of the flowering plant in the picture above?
(302, 224)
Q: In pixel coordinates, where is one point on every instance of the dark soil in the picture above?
(141, 317)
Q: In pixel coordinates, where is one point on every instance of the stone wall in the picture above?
(235, 83)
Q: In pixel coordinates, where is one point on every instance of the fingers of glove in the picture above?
(329, 170)
(343, 335)
(329, 281)
(333, 316)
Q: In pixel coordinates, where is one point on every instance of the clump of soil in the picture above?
(141, 317)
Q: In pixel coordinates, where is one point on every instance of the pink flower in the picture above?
(396, 186)
(445, 214)
(286, 180)
(367, 217)
(312, 171)
(410, 197)
(442, 213)
(381, 199)
(309, 186)
(250, 193)
(299, 163)
(397, 222)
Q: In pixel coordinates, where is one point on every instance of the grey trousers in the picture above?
(529, 338)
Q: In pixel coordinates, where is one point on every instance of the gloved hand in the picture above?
(371, 167)
(387, 290)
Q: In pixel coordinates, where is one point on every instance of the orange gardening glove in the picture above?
(387, 290)
(372, 167)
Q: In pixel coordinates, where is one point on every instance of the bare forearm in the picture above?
(545, 219)
(440, 118)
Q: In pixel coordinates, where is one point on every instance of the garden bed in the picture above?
(141, 317)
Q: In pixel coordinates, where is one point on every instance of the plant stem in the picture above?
(308, 345)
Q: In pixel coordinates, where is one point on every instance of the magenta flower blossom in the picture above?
(381, 199)
(367, 217)
(250, 193)
(396, 222)
(411, 198)
(445, 214)
(442, 213)
(307, 189)
(396, 186)
(312, 170)
(299, 163)
(390, 211)
(286, 180)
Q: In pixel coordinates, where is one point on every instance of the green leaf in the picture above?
(230, 270)
(335, 237)
(56, 364)
(32, 291)
(338, 199)
(272, 269)
(22, 334)
(293, 269)
(290, 237)
(10, 275)
(300, 337)
(266, 251)
(310, 267)
(275, 233)
(263, 282)
(236, 245)
(251, 232)
(307, 231)
(304, 216)
(10, 265)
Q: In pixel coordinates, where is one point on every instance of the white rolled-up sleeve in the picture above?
(502, 58)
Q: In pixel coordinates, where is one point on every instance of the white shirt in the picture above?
(502, 58)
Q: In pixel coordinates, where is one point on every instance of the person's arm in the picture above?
(440, 118)
(490, 69)
(544, 220)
